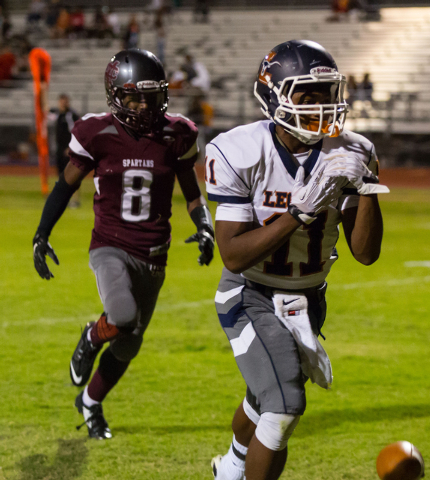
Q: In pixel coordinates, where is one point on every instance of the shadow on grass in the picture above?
(331, 419)
(67, 465)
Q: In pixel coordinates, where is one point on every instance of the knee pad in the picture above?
(274, 429)
(250, 412)
(126, 347)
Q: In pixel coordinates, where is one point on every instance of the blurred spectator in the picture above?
(113, 22)
(340, 9)
(52, 13)
(77, 23)
(100, 27)
(352, 90)
(198, 75)
(131, 37)
(7, 66)
(201, 113)
(156, 5)
(36, 11)
(365, 89)
(62, 26)
(192, 76)
(201, 11)
(6, 26)
(64, 118)
(160, 35)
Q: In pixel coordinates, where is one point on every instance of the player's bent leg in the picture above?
(269, 361)
(114, 285)
(128, 289)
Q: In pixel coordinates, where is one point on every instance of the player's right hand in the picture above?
(357, 172)
(308, 200)
(41, 248)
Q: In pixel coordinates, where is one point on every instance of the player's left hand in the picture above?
(41, 248)
(206, 245)
(357, 172)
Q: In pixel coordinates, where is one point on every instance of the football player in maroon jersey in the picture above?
(135, 151)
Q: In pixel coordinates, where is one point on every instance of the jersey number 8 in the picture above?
(136, 197)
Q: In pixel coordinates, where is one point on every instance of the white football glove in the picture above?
(308, 200)
(356, 171)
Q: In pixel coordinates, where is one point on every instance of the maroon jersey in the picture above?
(134, 181)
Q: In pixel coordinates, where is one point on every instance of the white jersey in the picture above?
(250, 174)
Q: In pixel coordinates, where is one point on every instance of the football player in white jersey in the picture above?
(298, 174)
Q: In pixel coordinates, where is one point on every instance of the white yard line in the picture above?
(381, 283)
(424, 263)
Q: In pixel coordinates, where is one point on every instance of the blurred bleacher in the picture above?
(395, 51)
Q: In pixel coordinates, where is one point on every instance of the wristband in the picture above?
(301, 217)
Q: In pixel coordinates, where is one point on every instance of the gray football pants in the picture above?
(266, 352)
(128, 289)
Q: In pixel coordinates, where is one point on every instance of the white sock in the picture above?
(238, 453)
(88, 401)
(232, 465)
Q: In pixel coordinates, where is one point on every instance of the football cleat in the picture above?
(83, 359)
(97, 426)
(215, 463)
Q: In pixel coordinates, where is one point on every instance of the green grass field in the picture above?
(172, 410)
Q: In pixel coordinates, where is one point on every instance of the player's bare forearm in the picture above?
(242, 246)
(365, 235)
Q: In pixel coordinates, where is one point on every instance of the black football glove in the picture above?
(41, 248)
(205, 237)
